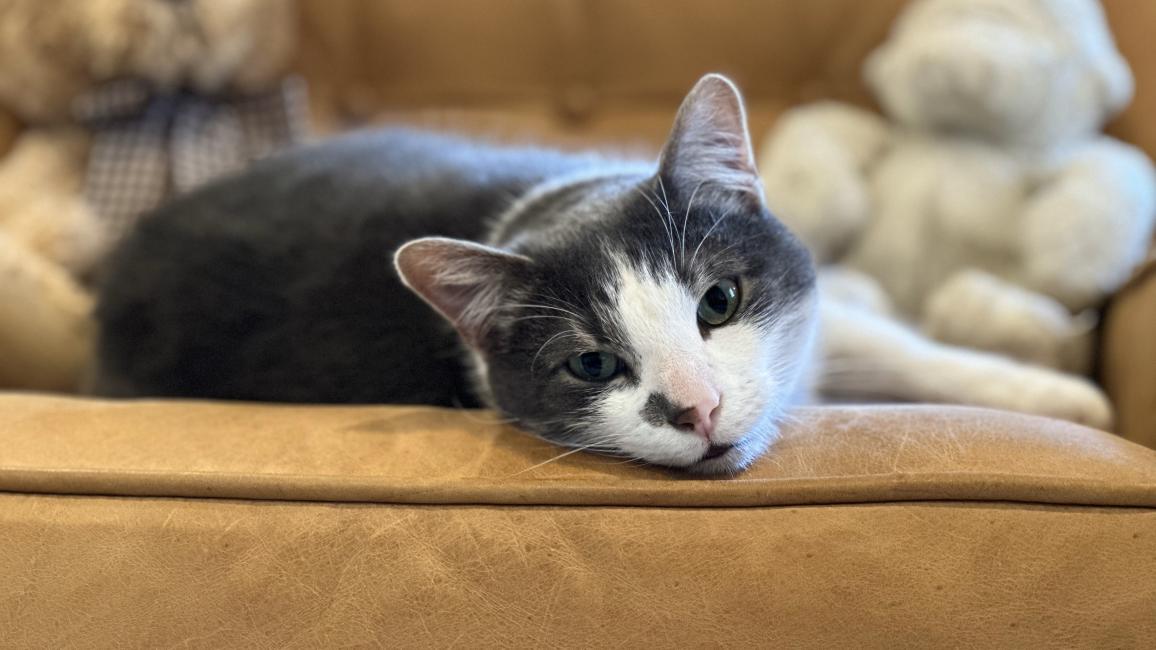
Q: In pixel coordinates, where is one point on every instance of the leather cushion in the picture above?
(423, 455)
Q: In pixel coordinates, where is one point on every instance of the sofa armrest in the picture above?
(153, 524)
(1128, 355)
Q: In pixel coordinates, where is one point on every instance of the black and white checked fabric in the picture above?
(148, 147)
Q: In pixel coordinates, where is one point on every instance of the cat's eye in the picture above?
(719, 303)
(595, 366)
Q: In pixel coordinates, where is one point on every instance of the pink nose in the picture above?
(700, 418)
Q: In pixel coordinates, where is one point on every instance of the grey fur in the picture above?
(659, 410)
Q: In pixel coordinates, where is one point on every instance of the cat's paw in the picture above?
(977, 310)
(1041, 392)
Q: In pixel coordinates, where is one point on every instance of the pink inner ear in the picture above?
(465, 282)
(709, 141)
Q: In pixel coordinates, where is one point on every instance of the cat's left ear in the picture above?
(710, 142)
(467, 283)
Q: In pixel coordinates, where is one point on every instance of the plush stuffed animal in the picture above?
(120, 104)
(986, 204)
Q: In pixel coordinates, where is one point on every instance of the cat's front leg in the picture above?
(974, 309)
(867, 356)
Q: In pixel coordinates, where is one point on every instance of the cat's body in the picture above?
(658, 314)
(282, 281)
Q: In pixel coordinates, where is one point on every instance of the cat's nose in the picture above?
(700, 418)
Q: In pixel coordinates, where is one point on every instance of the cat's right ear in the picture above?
(465, 282)
(710, 142)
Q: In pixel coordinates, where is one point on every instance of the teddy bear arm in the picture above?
(45, 324)
(1089, 224)
(813, 167)
(41, 200)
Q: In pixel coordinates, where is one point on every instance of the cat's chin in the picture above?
(730, 463)
(736, 459)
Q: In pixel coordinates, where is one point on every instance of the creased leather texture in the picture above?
(422, 455)
(97, 572)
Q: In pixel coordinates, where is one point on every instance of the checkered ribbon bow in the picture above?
(148, 147)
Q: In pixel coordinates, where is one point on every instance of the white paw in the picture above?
(1041, 392)
(974, 309)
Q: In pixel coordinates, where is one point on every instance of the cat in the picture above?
(660, 313)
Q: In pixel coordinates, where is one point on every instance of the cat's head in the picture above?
(664, 316)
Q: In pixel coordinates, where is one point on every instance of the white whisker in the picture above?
(708, 233)
(543, 347)
(550, 460)
(686, 216)
(719, 254)
(669, 215)
(548, 307)
(669, 234)
(564, 319)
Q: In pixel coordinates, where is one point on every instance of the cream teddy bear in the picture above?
(986, 204)
(120, 104)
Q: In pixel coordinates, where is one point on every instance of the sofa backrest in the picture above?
(608, 69)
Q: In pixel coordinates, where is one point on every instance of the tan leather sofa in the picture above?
(160, 524)
(150, 525)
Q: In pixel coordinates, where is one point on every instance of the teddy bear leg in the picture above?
(974, 309)
(45, 324)
(869, 356)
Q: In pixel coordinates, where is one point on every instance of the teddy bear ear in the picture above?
(710, 142)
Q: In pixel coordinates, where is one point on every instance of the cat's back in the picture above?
(278, 284)
(417, 179)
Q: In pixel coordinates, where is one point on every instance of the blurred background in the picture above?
(109, 107)
(612, 71)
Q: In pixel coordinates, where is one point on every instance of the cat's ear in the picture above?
(710, 142)
(465, 282)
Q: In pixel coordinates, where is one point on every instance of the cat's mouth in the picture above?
(719, 459)
(714, 451)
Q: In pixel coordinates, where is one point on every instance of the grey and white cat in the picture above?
(659, 313)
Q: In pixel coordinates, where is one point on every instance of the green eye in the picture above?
(595, 366)
(719, 303)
